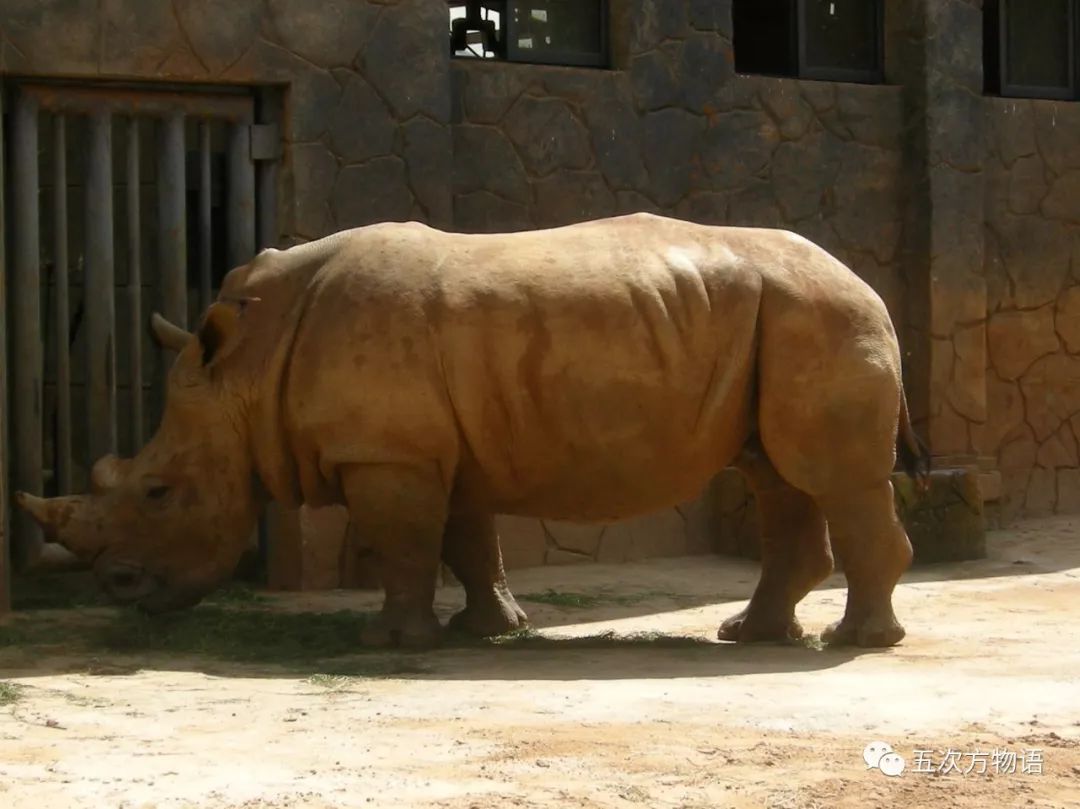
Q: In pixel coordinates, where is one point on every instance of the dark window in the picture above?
(1030, 48)
(833, 40)
(563, 32)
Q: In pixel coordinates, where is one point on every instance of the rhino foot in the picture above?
(393, 629)
(744, 627)
(874, 631)
(495, 614)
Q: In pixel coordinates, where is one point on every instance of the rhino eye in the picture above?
(157, 492)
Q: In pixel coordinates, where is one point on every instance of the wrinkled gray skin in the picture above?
(430, 380)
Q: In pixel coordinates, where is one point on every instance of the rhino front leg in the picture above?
(795, 554)
(471, 550)
(401, 511)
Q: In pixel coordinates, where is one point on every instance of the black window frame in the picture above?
(796, 42)
(508, 50)
(996, 57)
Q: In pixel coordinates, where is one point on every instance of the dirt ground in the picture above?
(638, 718)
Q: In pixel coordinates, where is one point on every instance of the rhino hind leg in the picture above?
(401, 512)
(471, 551)
(874, 550)
(795, 554)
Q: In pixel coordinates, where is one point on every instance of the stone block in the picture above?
(803, 174)
(522, 540)
(330, 33)
(670, 140)
(484, 159)
(1068, 491)
(1027, 185)
(1041, 493)
(571, 196)
(1004, 408)
(1015, 340)
(484, 212)
(488, 90)
(376, 191)
(405, 59)
(947, 523)
(655, 80)
(314, 173)
(1051, 389)
(547, 135)
(615, 131)
(1013, 122)
(1062, 199)
(580, 538)
(361, 127)
(428, 153)
(219, 30)
(706, 64)
(1055, 127)
(737, 148)
(1067, 318)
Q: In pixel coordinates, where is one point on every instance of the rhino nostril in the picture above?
(124, 581)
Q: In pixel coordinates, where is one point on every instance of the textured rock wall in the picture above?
(1033, 278)
(365, 140)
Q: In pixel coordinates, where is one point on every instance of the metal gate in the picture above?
(120, 199)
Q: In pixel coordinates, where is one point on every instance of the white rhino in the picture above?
(430, 380)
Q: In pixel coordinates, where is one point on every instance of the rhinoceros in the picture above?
(429, 380)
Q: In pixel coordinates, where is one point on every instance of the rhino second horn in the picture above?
(168, 335)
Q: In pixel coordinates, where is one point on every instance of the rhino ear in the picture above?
(168, 335)
(105, 474)
(218, 330)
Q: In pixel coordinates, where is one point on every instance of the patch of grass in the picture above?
(56, 591)
(237, 635)
(560, 599)
(236, 594)
(10, 693)
(332, 683)
(530, 639)
(570, 600)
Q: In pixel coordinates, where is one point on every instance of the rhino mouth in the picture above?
(125, 582)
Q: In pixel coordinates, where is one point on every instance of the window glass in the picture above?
(841, 34)
(1037, 43)
(558, 26)
(763, 37)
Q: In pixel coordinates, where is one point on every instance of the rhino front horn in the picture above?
(168, 335)
(36, 507)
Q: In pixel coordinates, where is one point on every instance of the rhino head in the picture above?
(164, 528)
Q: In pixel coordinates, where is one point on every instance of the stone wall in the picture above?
(1033, 278)
(365, 141)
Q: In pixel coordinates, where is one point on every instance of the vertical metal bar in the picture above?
(172, 242)
(205, 224)
(134, 242)
(241, 203)
(26, 313)
(5, 530)
(60, 307)
(172, 220)
(100, 292)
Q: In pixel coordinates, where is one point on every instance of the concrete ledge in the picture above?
(946, 524)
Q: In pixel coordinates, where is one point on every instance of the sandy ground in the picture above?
(992, 661)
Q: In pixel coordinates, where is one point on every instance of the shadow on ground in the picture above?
(63, 627)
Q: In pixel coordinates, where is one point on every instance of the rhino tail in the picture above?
(912, 453)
